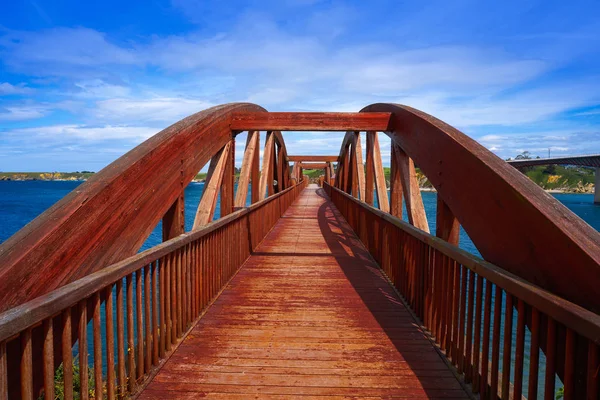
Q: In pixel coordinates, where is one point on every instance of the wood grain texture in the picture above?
(461, 169)
(247, 168)
(266, 179)
(412, 193)
(308, 158)
(214, 179)
(274, 332)
(446, 225)
(107, 218)
(309, 121)
(359, 166)
(396, 192)
(378, 173)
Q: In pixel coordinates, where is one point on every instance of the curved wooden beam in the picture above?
(107, 218)
(513, 222)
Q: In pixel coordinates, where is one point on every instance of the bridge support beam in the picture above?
(597, 187)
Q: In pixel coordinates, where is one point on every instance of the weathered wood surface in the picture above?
(276, 333)
(107, 218)
(540, 237)
(313, 158)
(310, 121)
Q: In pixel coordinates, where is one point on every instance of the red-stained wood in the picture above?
(358, 166)
(110, 216)
(214, 179)
(247, 169)
(310, 158)
(456, 164)
(370, 172)
(396, 192)
(410, 187)
(309, 121)
(227, 183)
(312, 165)
(378, 173)
(273, 333)
(266, 179)
(446, 225)
(173, 222)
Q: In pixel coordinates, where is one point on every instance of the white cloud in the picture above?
(87, 133)
(160, 109)
(8, 89)
(22, 113)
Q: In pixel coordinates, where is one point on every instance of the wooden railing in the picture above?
(471, 306)
(140, 308)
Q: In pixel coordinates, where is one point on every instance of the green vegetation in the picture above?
(59, 387)
(45, 176)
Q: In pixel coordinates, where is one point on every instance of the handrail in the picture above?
(463, 301)
(25, 315)
(582, 320)
(163, 289)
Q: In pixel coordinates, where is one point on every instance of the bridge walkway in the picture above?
(309, 315)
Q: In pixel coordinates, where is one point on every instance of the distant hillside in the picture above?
(569, 179)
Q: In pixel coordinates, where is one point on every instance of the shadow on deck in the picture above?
(308, 315)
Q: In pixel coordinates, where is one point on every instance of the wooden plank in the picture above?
(309, 121)
(173, 222)
(313, 165)
(227, 184)
(265, 174)
(446, 225)
(272, 330)
(252, 143)
(396, 192)
(370, 172)
(208, 202)
(359, 167)
(378, 173)
(412, 192)
(313, 158)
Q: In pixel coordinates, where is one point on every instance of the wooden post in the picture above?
(265, 174)
(395, 184)
(378, 173)
(412, 194)
(249, 171)
(173, 222)
(447, 226)
(359, 166)
(227, 183)
(214, 178)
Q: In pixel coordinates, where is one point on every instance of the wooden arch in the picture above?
(514, 223)
(108, 218)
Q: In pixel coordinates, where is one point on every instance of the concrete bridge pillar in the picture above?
(597, 187)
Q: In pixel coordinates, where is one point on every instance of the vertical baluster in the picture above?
(173, 279)
(110, 344)
(147, 315)
(26, 366)
(140, 324)
(154, 291)
(593, 370)
(67, 354)
(163, 306)
(188, 283)
(455, 317)
(496, 343)
(550, 380)
(469, 367)
(130, 337)
(463, 310)
(4, 373)
(570, 365)
(83, 352)
(519, 350)
(477, 342)
(97, 346)
(121, 379)
(48, 360)
(534, 354)
(179, 296)
(485, 348)
(507, 351)
(168, 302)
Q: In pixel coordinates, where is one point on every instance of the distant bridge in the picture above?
(308, 291)
(591, 160)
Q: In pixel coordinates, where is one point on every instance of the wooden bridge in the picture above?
(307, 292)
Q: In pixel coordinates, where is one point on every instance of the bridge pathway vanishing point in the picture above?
(308, 314)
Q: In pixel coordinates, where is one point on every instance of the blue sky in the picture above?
(81, 83)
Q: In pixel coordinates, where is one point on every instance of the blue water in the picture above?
(21, 202)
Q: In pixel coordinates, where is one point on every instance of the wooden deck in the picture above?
(309, 315)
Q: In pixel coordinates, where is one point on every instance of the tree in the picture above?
(523, 156)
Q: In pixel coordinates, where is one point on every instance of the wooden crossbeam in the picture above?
(313, 165)
(313, 158)
(310, 121)
(214, 178)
